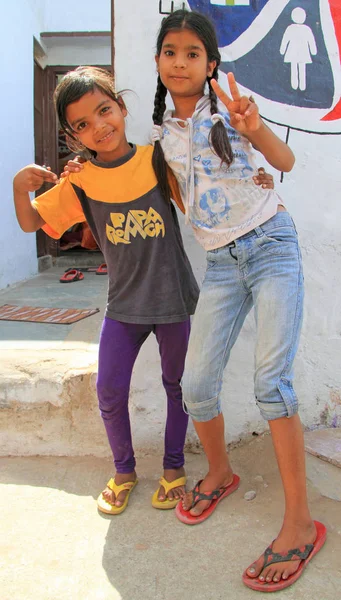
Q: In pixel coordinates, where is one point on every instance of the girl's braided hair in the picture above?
(203, 28)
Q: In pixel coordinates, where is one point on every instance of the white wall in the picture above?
(77, 51)
(78, 15)
(18, 255)
(20, 22)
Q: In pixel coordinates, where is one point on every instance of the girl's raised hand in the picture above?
(244, 115)
(32, 177)
(73, 166)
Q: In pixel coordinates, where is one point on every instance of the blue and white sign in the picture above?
(286, 53)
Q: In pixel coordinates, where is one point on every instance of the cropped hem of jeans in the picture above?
(204, 411)
(288, 407)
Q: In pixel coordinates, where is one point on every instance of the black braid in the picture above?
(158, 159)
(218, 137)
(159, 102)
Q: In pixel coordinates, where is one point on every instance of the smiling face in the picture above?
(183, 64)
(98, 123)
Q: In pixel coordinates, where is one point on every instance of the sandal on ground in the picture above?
(102, 269)
(71, 275)
(111, 509)
(215, 497)
(168, 486)
(304, 554)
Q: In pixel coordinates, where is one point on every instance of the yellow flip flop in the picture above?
(111, 509)
(167, 504)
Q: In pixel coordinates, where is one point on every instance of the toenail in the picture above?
(261, 578)
(252, 570)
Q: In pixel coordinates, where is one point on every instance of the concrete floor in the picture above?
(46, 290)
(55, 545)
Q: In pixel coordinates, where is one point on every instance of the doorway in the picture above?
(77, 244)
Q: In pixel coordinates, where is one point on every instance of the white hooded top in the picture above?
(221, 203)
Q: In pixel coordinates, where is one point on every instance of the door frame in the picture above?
(49, 151)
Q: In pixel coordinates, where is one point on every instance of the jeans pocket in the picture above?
(279, 241)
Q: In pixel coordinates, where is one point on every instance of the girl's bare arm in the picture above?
(275, 151)
(29, 179)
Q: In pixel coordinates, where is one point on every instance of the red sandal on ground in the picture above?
(71, 275)
(102, 269)
(304, 554)
(215, 497)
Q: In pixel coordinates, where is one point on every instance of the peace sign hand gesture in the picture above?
(244, 115)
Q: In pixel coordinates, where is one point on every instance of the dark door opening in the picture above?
(51, 149)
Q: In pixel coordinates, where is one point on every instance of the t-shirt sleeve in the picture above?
(174, 189)
(60, 208)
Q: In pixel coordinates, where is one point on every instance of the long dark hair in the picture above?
(203, 28)
(74, 85)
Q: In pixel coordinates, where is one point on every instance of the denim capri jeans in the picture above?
(263, 269)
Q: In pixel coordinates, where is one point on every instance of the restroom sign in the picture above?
(286, 53)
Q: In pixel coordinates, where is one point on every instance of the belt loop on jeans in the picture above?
(258, 231)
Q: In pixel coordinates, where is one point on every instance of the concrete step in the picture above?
(323, 459)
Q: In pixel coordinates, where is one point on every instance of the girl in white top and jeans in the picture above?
(253, 259)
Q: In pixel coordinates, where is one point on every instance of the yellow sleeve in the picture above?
(174, 189)
(60, 208)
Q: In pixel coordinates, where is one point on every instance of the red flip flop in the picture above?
(216, 496)
(82, 269)
(102, 269)
(71, 275)
(305, 553)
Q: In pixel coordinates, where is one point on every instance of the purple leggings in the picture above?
(119, 346)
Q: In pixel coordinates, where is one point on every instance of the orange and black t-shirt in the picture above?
(150, 278)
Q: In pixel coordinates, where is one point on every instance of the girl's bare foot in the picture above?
(109, 495)
(176, 493)
(292, 535)
(212, 481)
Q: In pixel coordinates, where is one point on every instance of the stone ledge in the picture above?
(323, 461)
(324, 476)
(48, 403)
(49, 407)
(325, 444)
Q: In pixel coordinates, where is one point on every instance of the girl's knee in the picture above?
(111, 398)
(197, 401)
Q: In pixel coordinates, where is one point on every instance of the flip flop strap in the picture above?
(170, 485)
(271, 557)
(112, 485)
(197, 495)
